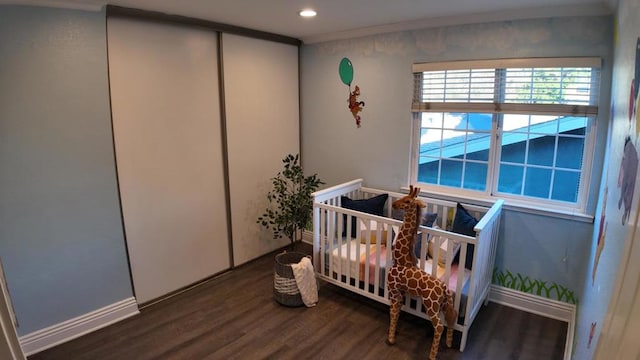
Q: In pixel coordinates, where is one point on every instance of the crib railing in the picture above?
(331, 223)
(331, 195)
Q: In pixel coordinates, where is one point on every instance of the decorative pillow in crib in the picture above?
(463, 223)
(443, 255)
(428, 219)
(373, 234)
(373, 206)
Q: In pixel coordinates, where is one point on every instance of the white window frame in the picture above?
(542, 205)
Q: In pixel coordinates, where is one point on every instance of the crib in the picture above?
(350, 248)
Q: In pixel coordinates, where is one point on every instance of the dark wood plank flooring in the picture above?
(235, 317)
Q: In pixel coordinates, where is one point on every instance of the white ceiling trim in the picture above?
(519, 14)
(74, 5)
(606, 7)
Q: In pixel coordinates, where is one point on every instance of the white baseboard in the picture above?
(538, 305)
(68, 330)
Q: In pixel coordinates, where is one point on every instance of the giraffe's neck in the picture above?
(403, 247)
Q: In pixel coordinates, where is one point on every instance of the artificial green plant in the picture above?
(290, 201)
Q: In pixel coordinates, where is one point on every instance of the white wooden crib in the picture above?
(358, 264)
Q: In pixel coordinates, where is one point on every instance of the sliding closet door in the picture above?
(262, 116)
(9, 342)
(166, 120)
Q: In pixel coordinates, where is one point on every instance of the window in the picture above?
(518, 128)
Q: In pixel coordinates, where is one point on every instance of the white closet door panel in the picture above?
(166, 119)
(9, 342)
(262, 116)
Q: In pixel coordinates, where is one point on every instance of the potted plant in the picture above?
(290, 202)
(289, 210)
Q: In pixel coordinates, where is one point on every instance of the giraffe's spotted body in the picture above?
(404, 277)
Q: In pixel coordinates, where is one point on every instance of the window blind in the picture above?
(562, 86)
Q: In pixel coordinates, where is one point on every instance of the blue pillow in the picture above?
(427, 220)
(373, 206)
(463, 223)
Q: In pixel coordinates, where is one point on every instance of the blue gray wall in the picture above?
(61, 237)
(541, 247)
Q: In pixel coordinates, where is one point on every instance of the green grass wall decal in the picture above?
(517, 281)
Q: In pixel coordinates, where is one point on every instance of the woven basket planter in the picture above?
(285, 289)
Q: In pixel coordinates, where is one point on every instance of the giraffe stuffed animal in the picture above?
(405, 278)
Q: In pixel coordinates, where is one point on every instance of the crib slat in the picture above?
(339, 219)
(322, 239)
(357, 274)
(460, 277)
(376, 279)
(471, 299)
(367, 255)
(331, 217)
(389, 244)
(447, 262)
(317, 249)
(343, 240)
(435, 253)
(424, 249)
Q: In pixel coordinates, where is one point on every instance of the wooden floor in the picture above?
(235, 317)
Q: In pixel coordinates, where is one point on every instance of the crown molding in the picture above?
(596, 9)
(72, 5)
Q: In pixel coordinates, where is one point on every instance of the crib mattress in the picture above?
(352, 256)
(351, 259)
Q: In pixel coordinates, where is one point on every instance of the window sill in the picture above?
(511, 205)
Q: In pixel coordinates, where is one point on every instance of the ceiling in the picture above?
(339, 19)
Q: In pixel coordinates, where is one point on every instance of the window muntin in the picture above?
(519, 132)
(454, 149)
(542, 156)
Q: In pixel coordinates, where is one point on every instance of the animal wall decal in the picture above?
(592, 332)
(354, 105)
(634, 95)
(627, 178)
(345, 70)
(602, 231)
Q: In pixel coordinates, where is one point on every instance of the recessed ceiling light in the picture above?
(307, 13)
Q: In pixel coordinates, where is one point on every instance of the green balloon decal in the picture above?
(346, 71)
